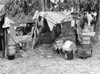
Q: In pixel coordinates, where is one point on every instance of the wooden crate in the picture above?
(84, 51)
(86, 39)
(86, 47)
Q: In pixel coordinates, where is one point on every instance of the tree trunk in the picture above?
(98, 19)
(48, 3)
(43, 5)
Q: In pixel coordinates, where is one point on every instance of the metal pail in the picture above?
(11, 52)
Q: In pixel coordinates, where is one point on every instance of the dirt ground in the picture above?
(44, 61)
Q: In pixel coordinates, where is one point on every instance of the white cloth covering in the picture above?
(66, 46)
(1, 6)
(72, 23)
(90, 18)
(53, 17)
(94, 13)
(8, 22)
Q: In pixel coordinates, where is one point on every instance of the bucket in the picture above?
(11, 57)
(11, 52)
(69, 55)
(69, 48)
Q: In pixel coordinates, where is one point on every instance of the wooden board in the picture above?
(86, 37)
(86, 42)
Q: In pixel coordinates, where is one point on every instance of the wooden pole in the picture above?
(5, 42)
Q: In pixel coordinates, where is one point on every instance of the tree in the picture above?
(47, 3)
(98, 18)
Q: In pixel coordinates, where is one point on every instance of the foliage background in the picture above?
(23, 10)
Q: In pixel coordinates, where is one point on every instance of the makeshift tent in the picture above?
(53, 17)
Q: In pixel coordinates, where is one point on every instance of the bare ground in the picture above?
(44, 61)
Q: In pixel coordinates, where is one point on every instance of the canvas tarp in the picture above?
(8, 22)
(53, 17)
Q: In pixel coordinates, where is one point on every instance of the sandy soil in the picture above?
(44, 61)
